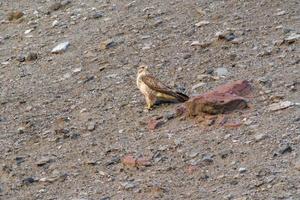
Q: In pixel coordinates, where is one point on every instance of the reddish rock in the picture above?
(143, 161)
(131, 161)
(192, 168)
(154, 123)
(223, 99)
(233, 125)
(239, 88)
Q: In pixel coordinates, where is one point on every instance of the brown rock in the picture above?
(240, 88)
(14, 15)
(154, 123)
(223, 99)
(131, 161)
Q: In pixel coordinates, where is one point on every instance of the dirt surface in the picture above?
(67, 120)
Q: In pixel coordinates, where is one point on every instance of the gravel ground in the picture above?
(67, 119)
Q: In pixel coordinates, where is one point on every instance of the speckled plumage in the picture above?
(154, 90)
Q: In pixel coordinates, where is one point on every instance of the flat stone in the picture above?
(62, 47)
(260, 136)
(280, 105)
(242, 169)
(43, 161)
(154, 123)
(15, 15)
(202, 23)
(198, 85)
(221, 71)
(292, 38)
(222, 100)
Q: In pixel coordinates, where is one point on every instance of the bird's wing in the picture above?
(156, 85)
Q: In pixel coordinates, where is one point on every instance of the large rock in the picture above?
(223, 99)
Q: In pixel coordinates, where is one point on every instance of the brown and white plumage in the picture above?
(154, 90)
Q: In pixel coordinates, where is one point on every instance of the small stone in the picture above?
(221, 71)
(15, 15)
(201, 23)
(129, 185)
(28, 181)
(195, 43)
(200, 11)
(280, 106)
(21, 58)
(154, 123)
(19, 160)
(259, 137)
(107, 44)
(62, 47)
(55, 23)
(21, 129)
(280, 13)
(230, 37)
(193, 154)
(286, 148)
(292, 38)
(198, 85)
(129, 161)
(242, 169)
(97, 15)
(28, 31)
(44, 161)
(31, 56)
(297, 164)
(77, 70)
(91, 126)
(225, 153)
(207, 158)
(147, 46)
(186, 56)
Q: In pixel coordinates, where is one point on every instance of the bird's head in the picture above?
(143, 69)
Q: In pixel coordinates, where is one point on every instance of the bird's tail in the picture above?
(181, 97)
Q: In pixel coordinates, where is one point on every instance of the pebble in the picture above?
(128, 185)
(21, 129)
(107, 44)
(43, 161)
(260, 136)
(292, 38)
(242, 169)
(198, 85)
(280, 13)
(97, 15)
(195, 43)
(15, 15)
(55, 23)
(28, 181)
(202, 23)
(91, 126)
(28, 31)
(297, 164)
(62, 47)
(31, 56)
(286, 148)
(280, 105)
(77, 70)
(221, 71)
(207, 158)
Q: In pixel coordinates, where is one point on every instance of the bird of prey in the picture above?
(154, 90)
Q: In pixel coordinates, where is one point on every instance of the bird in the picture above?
(154, 90)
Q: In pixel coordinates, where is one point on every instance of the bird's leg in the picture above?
(150, 102)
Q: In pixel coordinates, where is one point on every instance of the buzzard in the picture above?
(154, 90)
